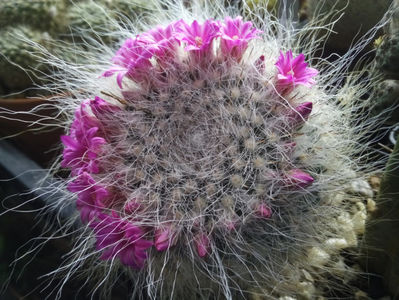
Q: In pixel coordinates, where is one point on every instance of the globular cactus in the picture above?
(387, 57)
(381, 242)
(44, 21)
(210, 160)
(17, 58)
(46, 15)
(386, 65)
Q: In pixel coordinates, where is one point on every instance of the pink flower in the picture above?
(298, 178)
(132, 60)
(198, 37)
(99, 107)
(120, 238)
(90, 196)
(235, 35)
(83, 121)
(80, 155)
(131, 206)
(264, 211)
(83, 143)
(300, 113)
(162, 39)
(164, 237)
(202, 243)
(293, 71)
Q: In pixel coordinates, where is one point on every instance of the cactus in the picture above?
(43, 22)
(386, 65)
(211, 161)
(18, 58)
(210, 157)
(387, 57)
(44, 15)
(381, 240)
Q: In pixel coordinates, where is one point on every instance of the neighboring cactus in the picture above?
(387, 96)
(381, 241)
(43, 22)
(212, 162)
(386, 65)
(387, 57)
(17, 57)
(46, 15)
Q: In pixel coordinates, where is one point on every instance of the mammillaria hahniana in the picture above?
(209, 158)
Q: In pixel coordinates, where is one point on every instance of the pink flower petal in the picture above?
(298, 178)
(202, 243)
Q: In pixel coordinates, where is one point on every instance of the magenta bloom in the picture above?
(132, 60)
(162, 40)
(294, 71)
(300, 114)
(83, 143)
(80, 155)
(264, 211)
(198, 37)
(83, 121)
(235, 35)
(202, 243)
(99, 107)
(298, 178)
(164, 237)
(120, 238)
(90, 196)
